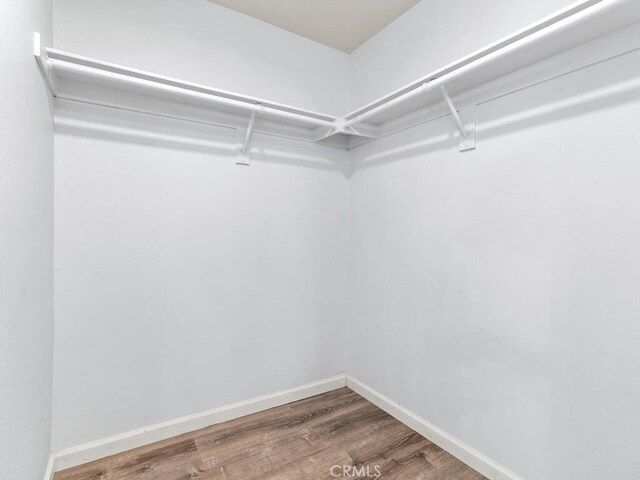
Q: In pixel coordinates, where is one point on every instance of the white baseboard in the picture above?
(51, 468)
(136, 438)
(88, 452)
(455, 447)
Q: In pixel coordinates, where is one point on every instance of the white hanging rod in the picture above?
(576, 12)
(75, 63)
(578, 15)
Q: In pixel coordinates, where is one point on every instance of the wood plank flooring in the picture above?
(299, 441)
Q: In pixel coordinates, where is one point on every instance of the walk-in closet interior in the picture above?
(305, 239)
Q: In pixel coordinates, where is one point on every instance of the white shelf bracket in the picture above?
(323, 133)
(467, 135)
(242, 156)
(361, 130)
(341, 126)
(44, 64)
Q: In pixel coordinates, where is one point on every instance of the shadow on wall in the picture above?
(598, 87)
(298, 153)
(121, 126)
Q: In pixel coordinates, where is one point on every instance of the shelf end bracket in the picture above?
(44, 64)
(242, 156)
(467, 134)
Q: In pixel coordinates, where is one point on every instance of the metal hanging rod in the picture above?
(90, 67)
(577, 12)
(181, 118)
(558, 32)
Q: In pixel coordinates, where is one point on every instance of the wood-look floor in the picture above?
(298, 441)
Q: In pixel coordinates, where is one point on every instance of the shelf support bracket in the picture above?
(242, 157)
(341, 127)
(467, 136)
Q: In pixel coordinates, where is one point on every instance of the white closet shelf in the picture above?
(577, 24)
(78, 78)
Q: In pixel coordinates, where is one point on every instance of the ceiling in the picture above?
(341, 24)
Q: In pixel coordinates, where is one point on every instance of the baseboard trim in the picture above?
(89, 452)
(51, 468)
(455, 447)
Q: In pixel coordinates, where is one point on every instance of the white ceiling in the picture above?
(341, 24)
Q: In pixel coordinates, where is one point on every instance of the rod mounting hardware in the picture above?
(467, 136)
(242, 158)
(340, 126)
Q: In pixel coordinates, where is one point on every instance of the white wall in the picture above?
(433, 34)
(26, 253)
(183, 281)
(495, 291)
(202, 42)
